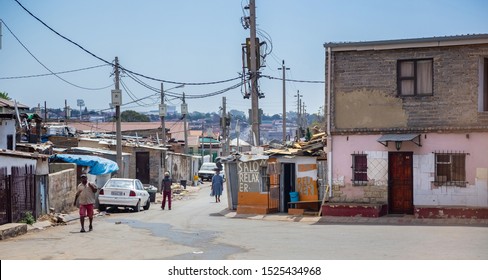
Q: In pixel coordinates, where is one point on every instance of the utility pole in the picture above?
(227, 136)
(117, 101)
(184, 111)
(254, 75)
(223, 126)
(238, 132)
(45, 112)
(162, 114)
(283, 68)
(298, 113)
(202, 142)
(65, 111)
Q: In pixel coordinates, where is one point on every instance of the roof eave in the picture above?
(410, 43)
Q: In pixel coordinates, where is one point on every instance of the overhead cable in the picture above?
(121, 67)
(56, 73)
(291, 80)
(47, 68)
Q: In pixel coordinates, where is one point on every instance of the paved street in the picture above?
(199, 229)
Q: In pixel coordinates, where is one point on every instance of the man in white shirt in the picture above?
(86, 196)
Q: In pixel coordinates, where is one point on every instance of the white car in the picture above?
(207, 171)
(121, 192)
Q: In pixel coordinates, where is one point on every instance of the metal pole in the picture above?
(283, 68)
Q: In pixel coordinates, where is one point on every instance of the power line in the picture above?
(120, 67)
(56, 73)
(291, 80)
(43, 65)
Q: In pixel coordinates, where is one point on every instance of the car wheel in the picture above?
(138, 206)
(102, 207)
(148, 204)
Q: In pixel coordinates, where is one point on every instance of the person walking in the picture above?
(217, 185)
(85, 197)
(166, 190)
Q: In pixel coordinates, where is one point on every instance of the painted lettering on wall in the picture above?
(249, 175)
(306, 186)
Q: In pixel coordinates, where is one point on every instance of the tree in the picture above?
(4, 95)
(133, 116)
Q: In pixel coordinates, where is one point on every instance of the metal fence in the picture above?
(17, 193)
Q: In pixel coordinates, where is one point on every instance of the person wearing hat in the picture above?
(86, 198)
(166, 190)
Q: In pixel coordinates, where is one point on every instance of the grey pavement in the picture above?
(407, 220)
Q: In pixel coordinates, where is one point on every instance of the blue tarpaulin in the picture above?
(98, 165)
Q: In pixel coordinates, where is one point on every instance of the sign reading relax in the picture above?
(249, 175)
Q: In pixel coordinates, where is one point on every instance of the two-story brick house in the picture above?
(408, 126)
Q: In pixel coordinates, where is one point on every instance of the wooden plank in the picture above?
(323, 200)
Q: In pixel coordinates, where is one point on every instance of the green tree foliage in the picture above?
(4, 95)
(133, 116)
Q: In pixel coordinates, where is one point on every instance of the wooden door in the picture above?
(142, 167)
(400, 183)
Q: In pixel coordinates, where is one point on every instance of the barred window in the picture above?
(415, 77)
(359, 169)
(450, 169)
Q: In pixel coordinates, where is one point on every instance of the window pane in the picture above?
(406, 69)
(407, 87)
(360, 168)
(458, 168)
(424, 77)
(451, 169)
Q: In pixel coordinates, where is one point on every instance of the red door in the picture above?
(400, 183)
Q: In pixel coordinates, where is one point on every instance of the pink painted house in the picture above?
(408, 127)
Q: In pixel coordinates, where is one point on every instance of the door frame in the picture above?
(287, 182)
(390, 183)
(147, 167)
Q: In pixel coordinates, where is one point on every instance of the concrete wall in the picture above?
(180, 166)
(57, 167)
(62, 190)
(156, 156)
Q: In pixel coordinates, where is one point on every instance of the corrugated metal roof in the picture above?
(384, 139)
(397, 137)
(469, 39)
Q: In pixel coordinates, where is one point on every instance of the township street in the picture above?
(196, 229)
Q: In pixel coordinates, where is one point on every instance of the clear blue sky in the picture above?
(195, 41)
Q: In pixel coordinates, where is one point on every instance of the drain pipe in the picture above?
(329, 107)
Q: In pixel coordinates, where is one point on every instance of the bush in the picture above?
(28, 218)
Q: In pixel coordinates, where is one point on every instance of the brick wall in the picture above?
(365, 82)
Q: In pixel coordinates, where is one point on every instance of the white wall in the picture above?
(6, 127)
(475, 193)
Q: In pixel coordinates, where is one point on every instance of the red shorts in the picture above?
(86, 210)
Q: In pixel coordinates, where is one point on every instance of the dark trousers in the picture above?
(166, 194)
